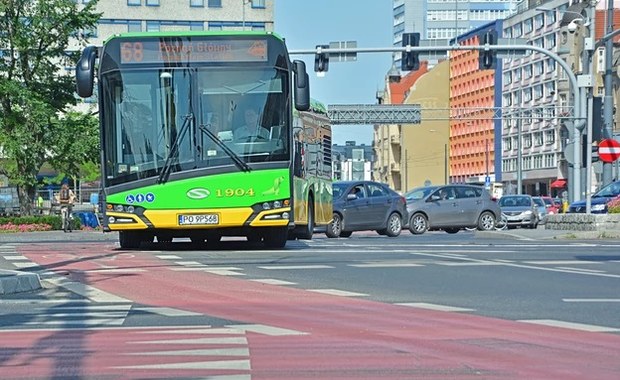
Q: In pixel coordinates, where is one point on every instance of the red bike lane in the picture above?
(335, 337)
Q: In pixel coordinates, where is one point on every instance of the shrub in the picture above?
(36, 223)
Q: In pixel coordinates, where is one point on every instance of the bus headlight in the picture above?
(277, 204)
(266, 206)
(118, 208)
(111, 220)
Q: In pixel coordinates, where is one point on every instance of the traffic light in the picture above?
(584, 151)
(487, 58)
(321, 60)
(410, 60)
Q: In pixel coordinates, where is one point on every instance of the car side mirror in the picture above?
(434, 198)
(351, 197)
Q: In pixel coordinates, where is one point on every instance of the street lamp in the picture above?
(243, 3)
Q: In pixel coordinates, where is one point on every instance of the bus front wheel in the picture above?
(275, 237)
(129, 239)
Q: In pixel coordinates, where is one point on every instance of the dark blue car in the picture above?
(599, 200)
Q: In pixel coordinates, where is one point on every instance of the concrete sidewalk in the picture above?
(18, 282)
(544, 234)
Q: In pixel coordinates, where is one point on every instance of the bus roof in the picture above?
(193, 33)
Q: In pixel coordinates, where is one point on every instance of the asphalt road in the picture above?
(549, 305)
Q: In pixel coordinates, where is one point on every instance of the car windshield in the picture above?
(539, 202)
(548, 201)
(611, 190)
(419, 193)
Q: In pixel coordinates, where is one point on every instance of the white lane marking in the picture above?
(116, 270)
(88, 322)
(223, 272)
(286, 267)
(193, 330)
(87, 291)
(51, 313)
(336, 292)
(88, 306)
(430, 306)
(168, 257)
(167, 311)
(273, 281)
(190, 269)
(385, 265)
(39, 302)
(189, 263)
(570, 325)
(25, 265)
(267, 330)
(221, 364)
(235, 340)
(199, 352)
(560, 262)
(481, 263)
(591, 299)
(581, 270)
(515, 265)
(16, 257)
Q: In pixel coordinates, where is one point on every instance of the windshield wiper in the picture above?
(174, 151)
(234, 156)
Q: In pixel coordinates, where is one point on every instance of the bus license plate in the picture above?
(198, 219)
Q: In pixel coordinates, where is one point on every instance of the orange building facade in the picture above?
(475, 136)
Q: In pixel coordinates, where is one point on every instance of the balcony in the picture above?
(395, 140)
(395, 167)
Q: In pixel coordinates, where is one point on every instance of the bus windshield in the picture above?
(176, 119)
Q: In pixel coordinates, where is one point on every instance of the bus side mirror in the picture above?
(302, 88)
(85, 72)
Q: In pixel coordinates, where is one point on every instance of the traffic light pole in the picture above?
(578, 119)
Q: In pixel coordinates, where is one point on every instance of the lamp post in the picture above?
(243, 3)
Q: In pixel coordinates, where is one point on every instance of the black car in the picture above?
(366, 205)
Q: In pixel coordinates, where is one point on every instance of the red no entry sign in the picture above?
(609, 150)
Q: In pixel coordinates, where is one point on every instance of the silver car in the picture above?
(521, 210)
(451, 208)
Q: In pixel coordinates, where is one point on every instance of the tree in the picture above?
(34, 91)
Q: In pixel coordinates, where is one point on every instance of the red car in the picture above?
(551, 205)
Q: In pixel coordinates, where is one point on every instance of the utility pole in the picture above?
(519, 156)
(608, 106)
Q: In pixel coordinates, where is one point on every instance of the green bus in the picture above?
(207, 134)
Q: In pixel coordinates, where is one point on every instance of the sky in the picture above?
(305, 24)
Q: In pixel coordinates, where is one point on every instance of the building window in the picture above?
(134, 26)
(215, 26)
(507, 144)
(197, 25)
(152, 3)
(538, 138)
(527, 141)
(214, 3)
(550, 137)
(134, 2)
(258, 3)
(538, 91)
(196, 3)
(153, 26)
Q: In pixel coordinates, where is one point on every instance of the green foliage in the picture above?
(52, 220)
(34, 91)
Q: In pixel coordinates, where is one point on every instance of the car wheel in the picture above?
(452, 230)
(334, 228)
(394, 225)
(486, 221)
(418, 224)
(346, 233)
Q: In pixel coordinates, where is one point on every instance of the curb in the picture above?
(12, 282)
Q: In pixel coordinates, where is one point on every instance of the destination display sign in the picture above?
(185, 50)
